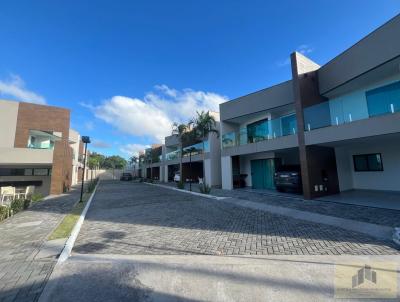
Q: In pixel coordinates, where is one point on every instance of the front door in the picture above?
(262, 173)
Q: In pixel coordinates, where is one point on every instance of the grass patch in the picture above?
(67, 224)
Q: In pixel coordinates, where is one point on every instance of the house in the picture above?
(339, 122)
(37, 147)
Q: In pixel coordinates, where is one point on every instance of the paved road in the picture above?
(135, 218)
(23, 274)
(145, 243)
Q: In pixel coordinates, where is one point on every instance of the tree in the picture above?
(204, 124)
(133, 160)
(181, 130)
(96, 161)
(114, 162)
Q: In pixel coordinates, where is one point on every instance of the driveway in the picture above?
(145, 243)
(136, 218)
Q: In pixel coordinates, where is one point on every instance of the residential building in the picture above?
(153, 162)
(201, 159)
(340, 122)
(35, 147)
(77, 156)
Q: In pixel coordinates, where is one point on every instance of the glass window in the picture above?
(258, 131)
(384, 99)
(289, 124)
(317, 116)
(368, 162)
(28, 172)
(41, 172)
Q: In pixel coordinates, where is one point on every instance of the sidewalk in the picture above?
(23, 274)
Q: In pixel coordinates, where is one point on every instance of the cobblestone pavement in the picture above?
(22, 277)
(385, 217)
(135, 218)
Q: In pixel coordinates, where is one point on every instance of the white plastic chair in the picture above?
(7, 194)
(28, 192)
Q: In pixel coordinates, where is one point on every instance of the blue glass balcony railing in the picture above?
(260, 131)
(195, 149)
(172, 155)
(352, 107)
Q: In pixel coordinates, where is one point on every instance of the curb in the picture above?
(66, 252)
(188, 192)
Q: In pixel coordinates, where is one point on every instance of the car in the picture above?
(177, 176)
(288, 178)
(126, 176)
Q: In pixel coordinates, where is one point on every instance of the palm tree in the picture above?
(204, 124)
(180, 130)
(133, 160)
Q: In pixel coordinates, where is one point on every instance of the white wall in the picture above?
(388, 179)
(226, 169)
(8, 123)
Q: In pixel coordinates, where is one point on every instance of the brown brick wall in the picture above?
(48, 118)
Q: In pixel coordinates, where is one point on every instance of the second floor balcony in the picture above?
(261, 130)
(195, 149)
(359, 105)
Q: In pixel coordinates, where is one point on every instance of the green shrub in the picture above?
(36, 197)
(205, 189)
(92, 184)
(27, 203)
(180, 185)
(17, 205)
(4, 212)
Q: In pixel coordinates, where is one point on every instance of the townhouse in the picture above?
(37, 147)
(340, 122)
(200, 159)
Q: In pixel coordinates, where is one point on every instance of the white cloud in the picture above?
(89, 125)
(15, 87)
(303, 49)
(153, 116)
(133, 149)
(100, 144)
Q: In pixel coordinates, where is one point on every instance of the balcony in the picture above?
(262, 130)
(194, 149)
(172, 155)
(359, 105)
(42, 139)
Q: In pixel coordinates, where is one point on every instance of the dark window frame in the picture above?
(368, 167)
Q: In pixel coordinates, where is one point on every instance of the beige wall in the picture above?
(74, 138)
(44, 189)
(8, 123)
(25, 156)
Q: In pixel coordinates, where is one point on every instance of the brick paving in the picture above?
(134, 218)
(22, 276)
(386, 217)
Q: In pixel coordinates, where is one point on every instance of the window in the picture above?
(384, 100)
(25, 172)
(258, 131)
(368, 162)
(41, 172)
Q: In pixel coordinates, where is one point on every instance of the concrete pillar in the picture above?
(226, 170)
(318, 164)
(207, 171)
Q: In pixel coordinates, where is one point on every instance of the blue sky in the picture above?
(127, 69)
